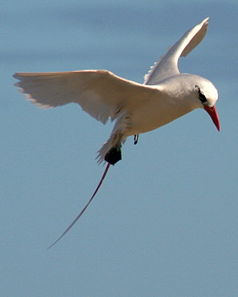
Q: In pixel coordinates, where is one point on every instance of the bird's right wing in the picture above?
(100, 93)
(167, 66)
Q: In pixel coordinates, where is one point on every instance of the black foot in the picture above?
(113, 156)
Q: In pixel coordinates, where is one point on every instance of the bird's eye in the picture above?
(202, 97)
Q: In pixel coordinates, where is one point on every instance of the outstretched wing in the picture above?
(168, 65)
(100, 93)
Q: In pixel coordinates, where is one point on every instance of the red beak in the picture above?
(214, 115)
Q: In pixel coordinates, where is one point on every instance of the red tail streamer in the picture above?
(85, 207)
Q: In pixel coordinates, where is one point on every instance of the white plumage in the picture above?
(137, 108)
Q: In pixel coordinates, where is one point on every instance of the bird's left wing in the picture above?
(100, 93)
(168, 65)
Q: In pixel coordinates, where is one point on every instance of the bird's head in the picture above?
(207, 95)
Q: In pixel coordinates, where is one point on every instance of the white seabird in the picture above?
(136, 108)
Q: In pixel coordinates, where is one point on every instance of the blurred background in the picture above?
(165, 221)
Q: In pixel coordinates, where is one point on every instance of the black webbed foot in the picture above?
(114, 155)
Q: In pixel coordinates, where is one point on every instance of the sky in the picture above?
(165, 221)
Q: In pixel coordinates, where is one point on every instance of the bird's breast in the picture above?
(154, 114)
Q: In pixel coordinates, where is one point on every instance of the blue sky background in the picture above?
(165, 221)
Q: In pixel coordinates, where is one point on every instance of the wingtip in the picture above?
(18, 75)
(15, 75)
(206, 20)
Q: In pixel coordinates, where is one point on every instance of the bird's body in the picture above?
(162, 105)
(136, 108)
(165, 95)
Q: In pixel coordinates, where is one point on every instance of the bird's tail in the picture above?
(111, 150)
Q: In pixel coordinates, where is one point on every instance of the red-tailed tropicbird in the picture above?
(136, 108)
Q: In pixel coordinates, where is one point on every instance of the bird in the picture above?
(136, 108)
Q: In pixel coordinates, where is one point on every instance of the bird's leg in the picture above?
(136, 138)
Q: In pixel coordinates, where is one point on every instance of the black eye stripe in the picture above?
(202, 97)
